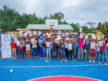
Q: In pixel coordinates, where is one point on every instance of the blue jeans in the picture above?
(48, 52)
(20, 54)
(75, 50)
(44, 51)
(62, 53)
(0, 49)
(102, 53)
(97, 55)
(17, 50)
(107, 51)
(34, 52)
(54, 53)
(40, 51)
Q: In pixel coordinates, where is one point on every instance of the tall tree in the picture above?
(75, 27)
(103, 27)
(58, 16)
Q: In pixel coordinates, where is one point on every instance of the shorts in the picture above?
(92, 52)
(27, 51)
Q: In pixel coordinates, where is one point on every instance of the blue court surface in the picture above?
(14, 70)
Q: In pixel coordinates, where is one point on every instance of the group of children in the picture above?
(62, 46)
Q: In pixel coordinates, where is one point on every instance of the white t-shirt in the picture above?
(18, 42)
(34, 43)
(107, 45)
(97, 47)
(101, 43)
(66, 45)
(69, 46)
(27, 46)
(48, 44)
(92, 45)
(67, 38)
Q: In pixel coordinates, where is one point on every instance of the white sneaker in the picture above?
(93, 61)
(100, 62)
(105, 63)
(89, 60)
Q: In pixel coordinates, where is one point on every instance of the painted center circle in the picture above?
(64, 78)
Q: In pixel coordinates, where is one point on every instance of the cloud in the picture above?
(70, 3)
(15, 4)
(80, 11)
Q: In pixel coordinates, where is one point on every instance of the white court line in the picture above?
(52, 66)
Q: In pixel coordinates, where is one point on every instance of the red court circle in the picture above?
(64, 78)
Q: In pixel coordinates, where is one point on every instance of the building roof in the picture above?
(43, 27)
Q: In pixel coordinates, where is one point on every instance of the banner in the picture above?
(6, 47)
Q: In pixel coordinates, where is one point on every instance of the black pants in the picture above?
(58, 51)
(66, 53)
(70, 54)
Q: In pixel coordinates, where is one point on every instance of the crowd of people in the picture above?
(63, 47)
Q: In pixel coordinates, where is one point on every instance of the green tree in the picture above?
(85, 29)
(103, 27)
(75, 27)
(8, 18)
(58, 16)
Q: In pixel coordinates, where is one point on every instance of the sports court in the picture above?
(28, 70)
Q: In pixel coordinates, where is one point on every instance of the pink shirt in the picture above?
(80, 42)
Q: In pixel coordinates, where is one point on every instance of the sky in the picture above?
(75, 11)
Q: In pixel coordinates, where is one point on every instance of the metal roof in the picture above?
(43, 27)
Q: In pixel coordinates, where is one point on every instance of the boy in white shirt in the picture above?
(70, 50)
(48, 50)
(92, 50)
(34, 47)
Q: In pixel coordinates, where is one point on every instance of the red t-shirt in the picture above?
(13, 45)
(102, 48)
(20, 46)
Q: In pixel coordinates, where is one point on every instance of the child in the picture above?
(48, 50)
(20, 50)
(102, 51)
(75, 47)
(13, 46)
(70, 50)
(107, 47)
(92, 50)
(80, 44)
(0, 52)
(87, 47)
(44, 50)
(27, 50)
(34, 48)
(58, 48)
(66, 49)
(54, 50)
(24, 50)
(62, 50)
(97, 50)
(40, 46)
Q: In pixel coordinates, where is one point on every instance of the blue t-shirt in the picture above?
(75, 45)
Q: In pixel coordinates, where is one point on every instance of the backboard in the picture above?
(51, 22)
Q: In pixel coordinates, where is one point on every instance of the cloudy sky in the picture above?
(80, 11)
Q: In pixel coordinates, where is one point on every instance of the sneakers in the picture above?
(82, 59)
(61, 60)
(100, 62)
(93, 61)
(66, 60)
(72, 60)
(89, 60)
(105, 63)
